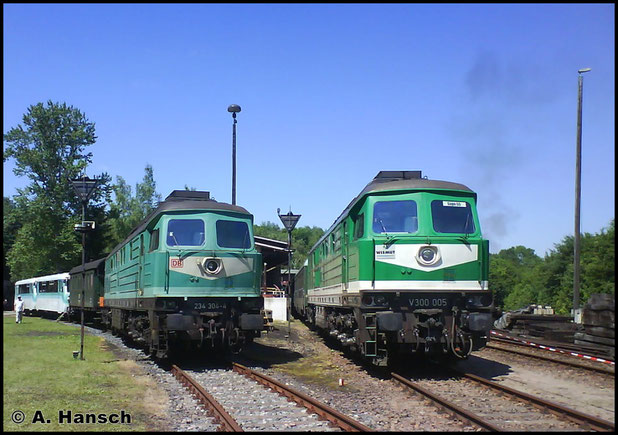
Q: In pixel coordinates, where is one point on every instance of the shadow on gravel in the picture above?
(485, 368)
(264, 356)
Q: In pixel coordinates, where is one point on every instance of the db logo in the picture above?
(176, 263)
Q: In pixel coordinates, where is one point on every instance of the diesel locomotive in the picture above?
(186, 277)
(188, 274)
(402, 271)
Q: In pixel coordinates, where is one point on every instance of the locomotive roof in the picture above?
(88, 266)
(182, 200)
(397, 180)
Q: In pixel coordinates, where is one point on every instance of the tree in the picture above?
(50, 150)
(510, 267)
(519, 278)
(127, 211)
(303, 239)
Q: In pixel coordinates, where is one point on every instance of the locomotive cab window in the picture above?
(185, 232)
(452, 217)
(395, 217)
(154, 241)
(233, 234)
(359, 226)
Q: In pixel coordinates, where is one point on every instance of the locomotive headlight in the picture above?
(380, 300)
(479, 301)
(367, 300)
(212, 266)
(428, 255)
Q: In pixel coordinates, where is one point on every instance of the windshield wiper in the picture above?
(177, 244)
(244, 239)
(383, 227)
(390, 239)
(466, 228)
(174, 237)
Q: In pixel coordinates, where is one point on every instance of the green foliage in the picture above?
(303, 239)
(510, 267)
(518, 277)
(127, 211)
(10, 226)
(50, 150)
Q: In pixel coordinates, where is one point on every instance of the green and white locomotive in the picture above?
(187, 276)
(403, 270)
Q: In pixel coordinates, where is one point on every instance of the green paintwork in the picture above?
(134, 270)
(327, 266)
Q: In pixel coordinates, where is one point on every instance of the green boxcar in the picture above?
(93, 274)
(403, 270)
(188, 274)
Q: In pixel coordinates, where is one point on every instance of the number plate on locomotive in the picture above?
(208, 306)
(428, 301)
(203, 305)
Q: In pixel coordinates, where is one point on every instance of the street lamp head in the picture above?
(84, 187)
(289, 220)
(583, 70)
(234, 108)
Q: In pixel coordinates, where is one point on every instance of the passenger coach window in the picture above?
(452, 217)
(395, 217)
(185, 232)
(233, 234)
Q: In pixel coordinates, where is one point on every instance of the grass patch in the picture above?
(313, 369)
(40, 374)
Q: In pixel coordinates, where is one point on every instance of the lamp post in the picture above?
(289, 222)
(84, 187)
(578, 175)
(234, 109)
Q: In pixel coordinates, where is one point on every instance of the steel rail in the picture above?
(228, 424)
(581, 418)
(466, 415)
(545, 358)
(342, 421)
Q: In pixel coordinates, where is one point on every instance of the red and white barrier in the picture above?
(552, 349)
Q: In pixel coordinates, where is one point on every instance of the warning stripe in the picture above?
(540, 346)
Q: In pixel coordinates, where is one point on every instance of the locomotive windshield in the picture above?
(233, 234)
(185, 232)
(452, 217)
(395, 217)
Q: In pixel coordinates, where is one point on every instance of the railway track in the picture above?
(242, 399)
(490, 405)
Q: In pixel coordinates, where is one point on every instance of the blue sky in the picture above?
(480, 94)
